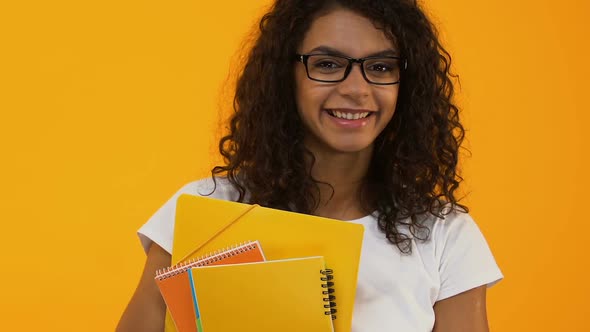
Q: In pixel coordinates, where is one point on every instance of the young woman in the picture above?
(344, 110)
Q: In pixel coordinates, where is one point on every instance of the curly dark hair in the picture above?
(413, 171)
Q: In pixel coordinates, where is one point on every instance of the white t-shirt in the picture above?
(395, 292)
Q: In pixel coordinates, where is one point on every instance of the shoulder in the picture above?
(440, 231)
(449, 234)
(462, 254)
(220, 188)
(453, 225)
(159, 228)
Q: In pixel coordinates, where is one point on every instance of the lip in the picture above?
(346, 123)
(349, 110)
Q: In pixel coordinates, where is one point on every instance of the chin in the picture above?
(339, 144)
(352, 147)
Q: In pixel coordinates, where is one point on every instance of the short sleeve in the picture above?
(465, 259)
(159, 228)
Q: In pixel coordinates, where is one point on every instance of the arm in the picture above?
(146, 311)
(463, 312)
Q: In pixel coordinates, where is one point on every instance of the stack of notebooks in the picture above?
(304, 280)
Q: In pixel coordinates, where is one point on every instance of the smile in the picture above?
(348, 115)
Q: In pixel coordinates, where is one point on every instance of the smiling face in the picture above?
(347, 116)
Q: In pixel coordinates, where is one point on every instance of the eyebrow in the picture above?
(331, 50)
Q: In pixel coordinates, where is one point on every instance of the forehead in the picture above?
(347, 32)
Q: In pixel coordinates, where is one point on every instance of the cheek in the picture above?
(308, 95)
(388, 100)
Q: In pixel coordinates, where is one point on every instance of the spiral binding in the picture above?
(328, 284)
(205, 260)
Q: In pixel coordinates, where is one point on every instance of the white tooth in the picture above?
(349, 116)
(364, 115)
(338, 115)
(357, 116)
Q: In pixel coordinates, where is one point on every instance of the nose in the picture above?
(355, 84)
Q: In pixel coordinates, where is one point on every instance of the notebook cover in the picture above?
(203, 224)
(175, 287)
(284, 295)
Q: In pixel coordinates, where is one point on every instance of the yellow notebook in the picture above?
(204, 224)
(286, 295)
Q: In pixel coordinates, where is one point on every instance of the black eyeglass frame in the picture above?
(304, 57)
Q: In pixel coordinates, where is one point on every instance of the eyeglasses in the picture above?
(328, 68)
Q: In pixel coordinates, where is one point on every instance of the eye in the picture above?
(327, 64)
(380, 67)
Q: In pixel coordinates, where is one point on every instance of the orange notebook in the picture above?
(175, 285)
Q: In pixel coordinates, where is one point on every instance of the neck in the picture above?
(342, 177)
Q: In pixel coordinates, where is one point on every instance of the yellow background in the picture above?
(108, 107)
